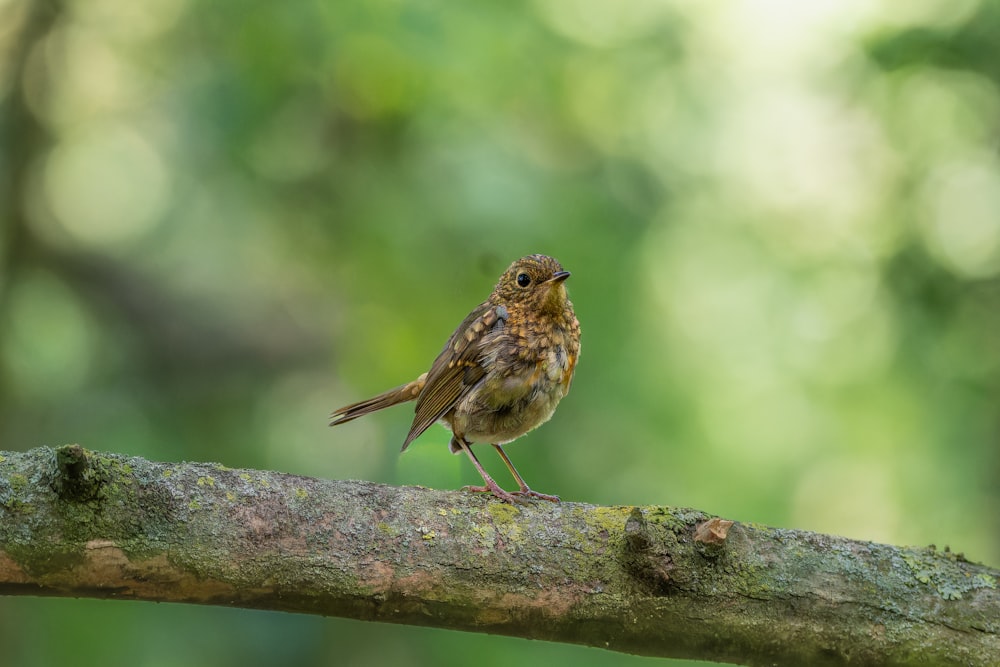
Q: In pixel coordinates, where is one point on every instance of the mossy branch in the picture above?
(649, 580)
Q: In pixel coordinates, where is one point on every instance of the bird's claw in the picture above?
(512, 497)
(505, 496)
(535, 494)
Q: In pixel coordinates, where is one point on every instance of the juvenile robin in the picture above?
(501, 373)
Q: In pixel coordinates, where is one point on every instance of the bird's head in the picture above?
(535, 282)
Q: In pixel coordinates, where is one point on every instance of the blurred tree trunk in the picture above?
(648, 580)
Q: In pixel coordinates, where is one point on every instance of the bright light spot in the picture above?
(93, 77)
(106, 185)
(789, 146)
(135, 21)
(816, 171)
(769, 36)
(602, 24)
(961, 218)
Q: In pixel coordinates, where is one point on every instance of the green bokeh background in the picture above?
(220, 220)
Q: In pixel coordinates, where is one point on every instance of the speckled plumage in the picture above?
(502, 372)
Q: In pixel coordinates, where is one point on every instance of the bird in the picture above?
(501, 374)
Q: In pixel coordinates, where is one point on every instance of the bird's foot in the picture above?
(535, 494)
(512, 497)
(494, 488)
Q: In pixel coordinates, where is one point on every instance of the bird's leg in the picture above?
(491, 486)
(525, 491)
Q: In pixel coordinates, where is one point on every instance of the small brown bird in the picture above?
(502, 372)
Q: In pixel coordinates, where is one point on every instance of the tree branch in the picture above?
(649, 580)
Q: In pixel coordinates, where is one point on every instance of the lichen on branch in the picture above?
(649, 580)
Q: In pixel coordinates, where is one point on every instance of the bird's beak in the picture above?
(558, 277)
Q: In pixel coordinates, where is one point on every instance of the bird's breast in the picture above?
(529, 366)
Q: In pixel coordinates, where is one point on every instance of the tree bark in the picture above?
(647, 580)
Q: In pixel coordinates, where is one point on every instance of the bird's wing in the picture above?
(457, 369)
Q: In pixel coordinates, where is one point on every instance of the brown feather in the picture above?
(457, 370)
(395, 396)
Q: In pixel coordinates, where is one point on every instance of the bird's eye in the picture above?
(523, 279)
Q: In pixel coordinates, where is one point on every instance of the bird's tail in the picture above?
(395, 396)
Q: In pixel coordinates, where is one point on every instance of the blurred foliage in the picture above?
(220, 220)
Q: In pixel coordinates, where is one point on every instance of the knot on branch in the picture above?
(710, 536)
(75, 477)
(644, 558)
